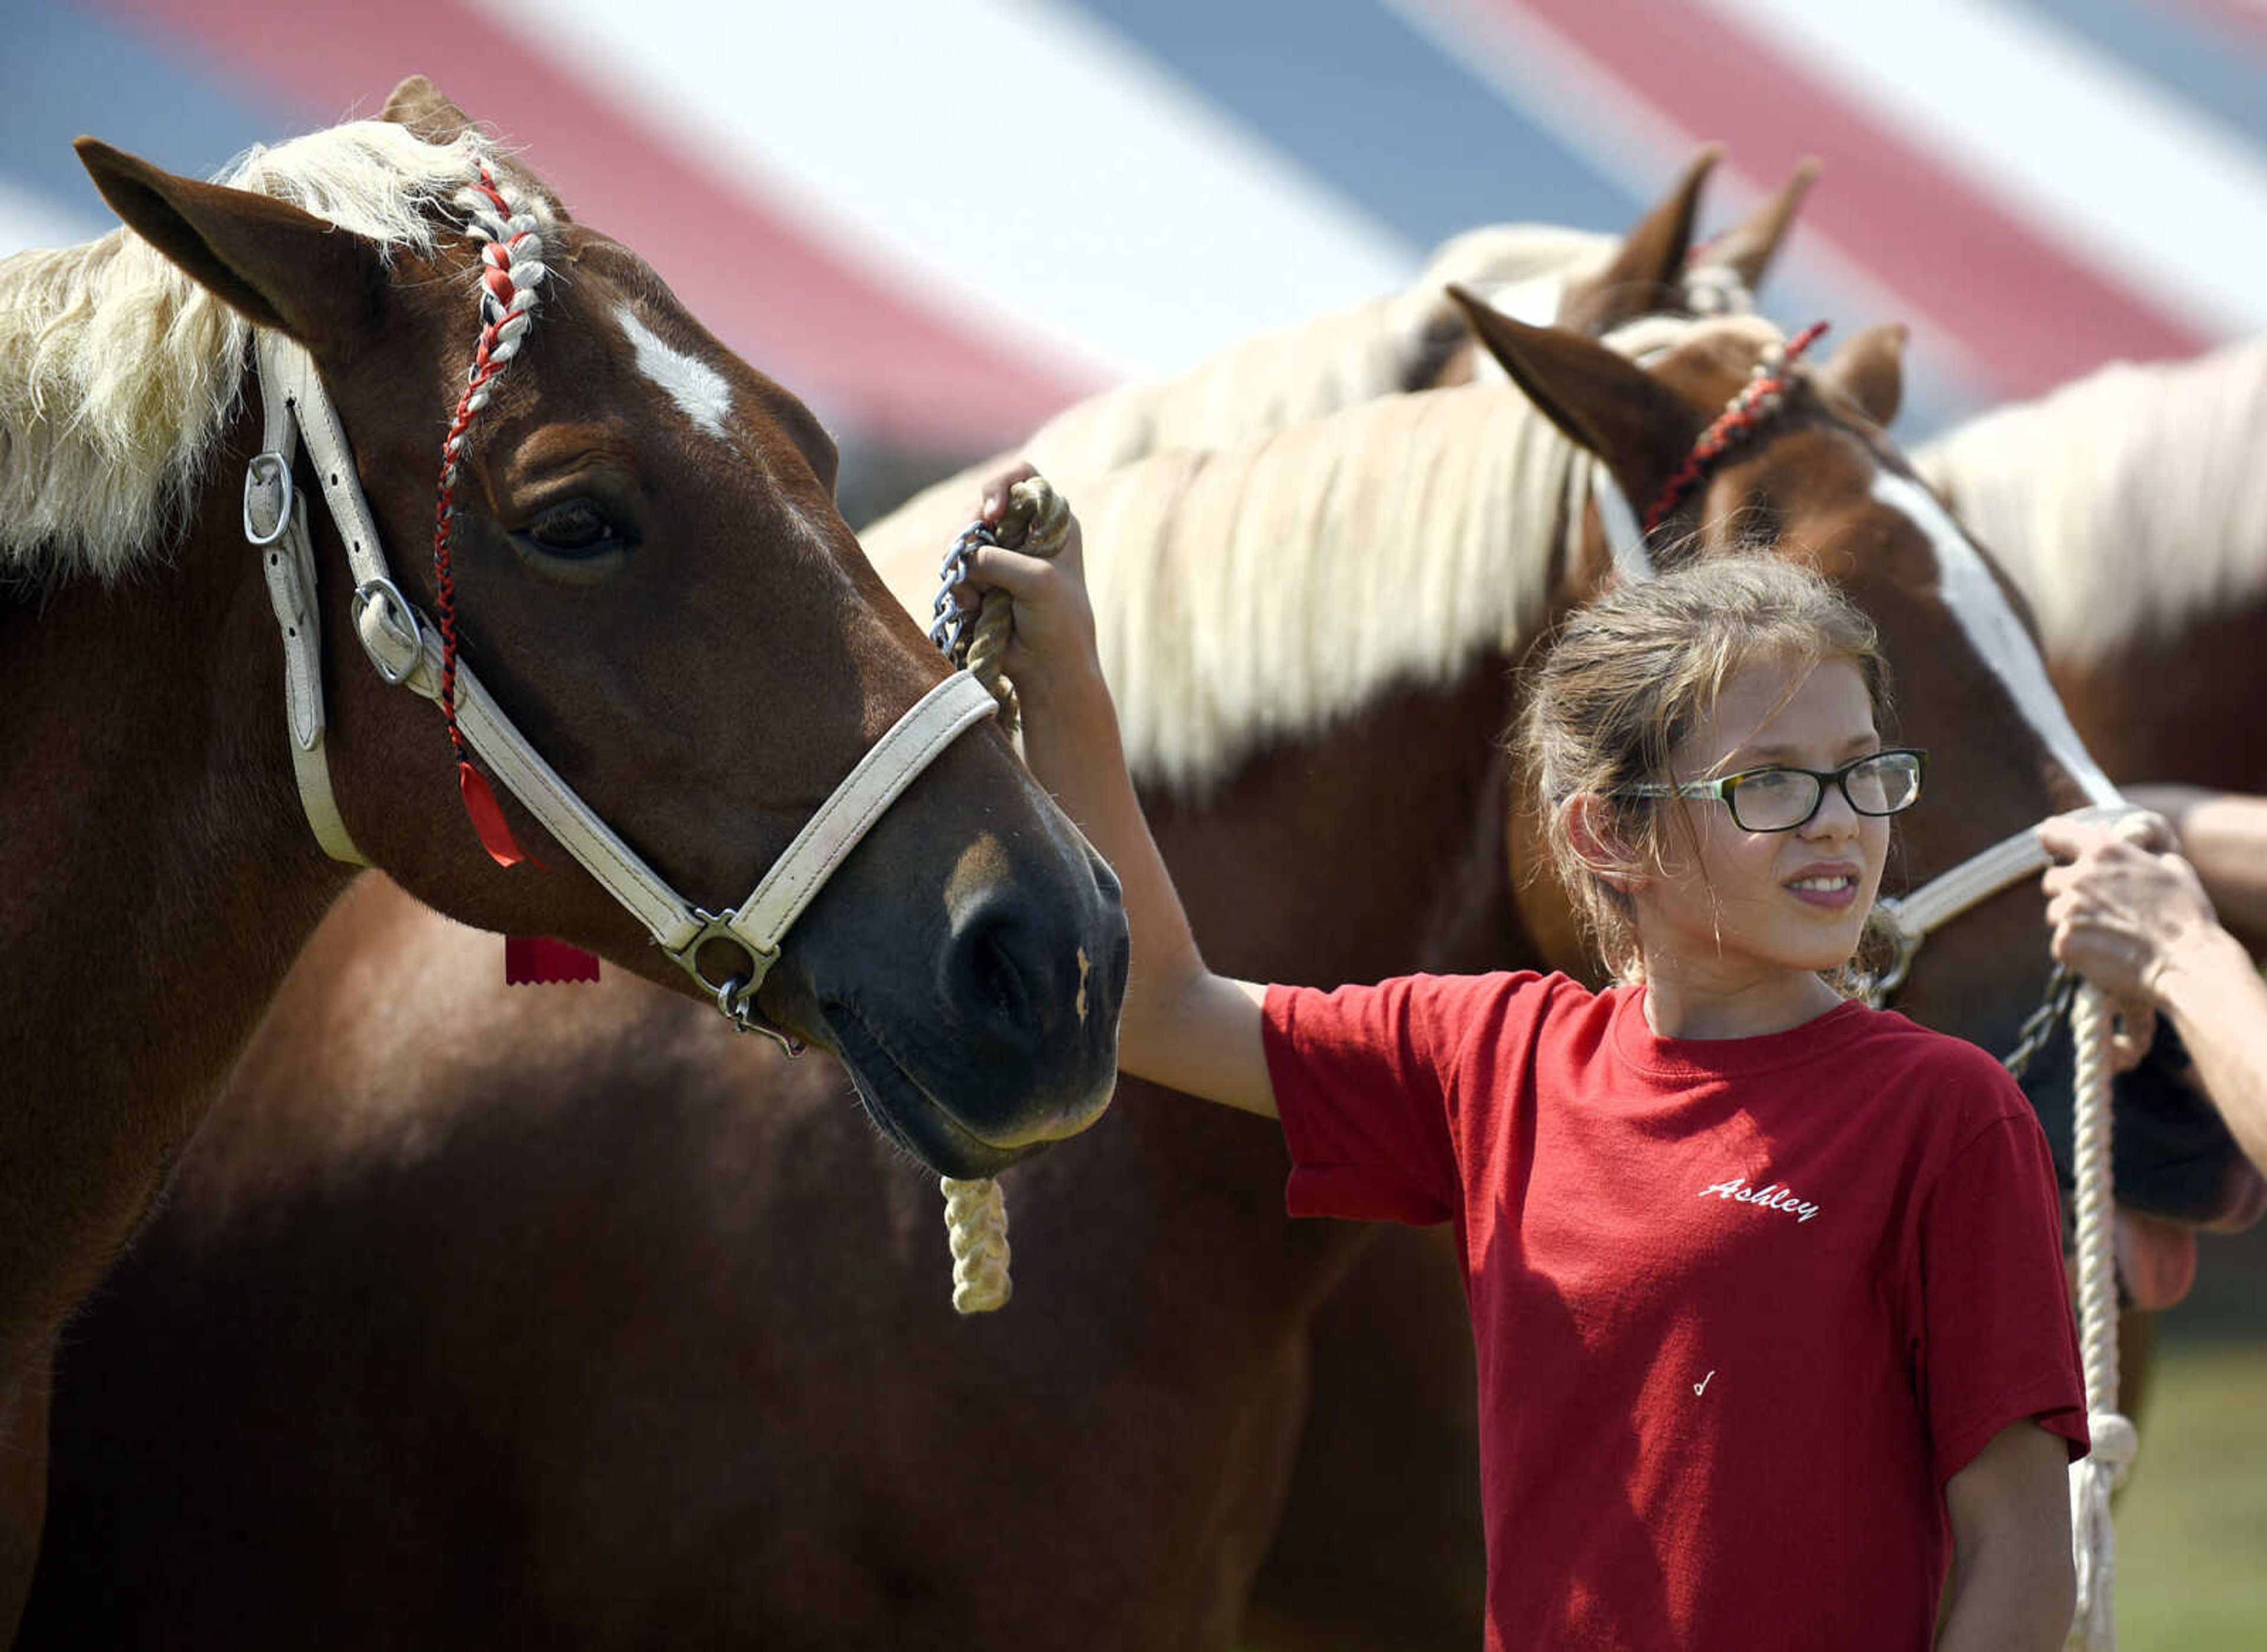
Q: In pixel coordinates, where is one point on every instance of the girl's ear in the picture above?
(1590, 830)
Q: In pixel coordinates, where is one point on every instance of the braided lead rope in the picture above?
(2103, 1469)
(1037, 522)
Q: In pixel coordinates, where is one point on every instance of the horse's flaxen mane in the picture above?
(1268, 590)
(2124, 502)
(118, 372)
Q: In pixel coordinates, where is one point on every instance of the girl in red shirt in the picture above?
(1766, 1286)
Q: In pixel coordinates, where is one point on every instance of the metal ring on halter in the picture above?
(272, 461)
(411, 629)
(729, 1003)
(736, 995)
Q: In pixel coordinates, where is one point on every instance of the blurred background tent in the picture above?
(938, 220)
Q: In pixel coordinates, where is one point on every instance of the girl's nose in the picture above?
(1834, 817)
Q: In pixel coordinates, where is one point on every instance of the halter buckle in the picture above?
(264, 470)
(398, 619)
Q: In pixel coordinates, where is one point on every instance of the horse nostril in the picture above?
(991, 962)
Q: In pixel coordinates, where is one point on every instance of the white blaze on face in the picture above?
(692, 384)
(1997, 636)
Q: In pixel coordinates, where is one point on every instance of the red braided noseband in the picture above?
(512, 266)
(1757, 400)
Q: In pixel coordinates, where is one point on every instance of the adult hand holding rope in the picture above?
(2135, 919)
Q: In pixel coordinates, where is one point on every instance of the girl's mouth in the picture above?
(1833, 890)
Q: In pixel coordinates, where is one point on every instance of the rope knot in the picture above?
(2115, 1442)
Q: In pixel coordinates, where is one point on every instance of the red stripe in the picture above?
(2029, 311)
(2236, 16)
(854, 347)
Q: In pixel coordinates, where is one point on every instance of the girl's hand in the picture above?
(1052, 637)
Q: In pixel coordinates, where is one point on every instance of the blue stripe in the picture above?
(2209, 66)
(68, 69)
(1375, 109)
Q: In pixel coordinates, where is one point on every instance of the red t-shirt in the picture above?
(1741, 1306)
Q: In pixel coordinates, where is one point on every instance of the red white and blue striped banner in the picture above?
(939, 219)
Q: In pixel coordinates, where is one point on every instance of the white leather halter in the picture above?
(404, 650)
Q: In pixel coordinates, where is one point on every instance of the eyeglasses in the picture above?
(1780, 799)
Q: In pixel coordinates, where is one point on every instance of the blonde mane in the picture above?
(117, 374)
(2125, 501)
(1267, 592)
(1255, 593)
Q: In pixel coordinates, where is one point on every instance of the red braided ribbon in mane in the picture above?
(496, 306)
(1755, 402)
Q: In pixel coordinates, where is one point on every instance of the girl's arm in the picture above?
(1182, 1025)
(2012, 1586)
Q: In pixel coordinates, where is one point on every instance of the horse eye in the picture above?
(575, 529)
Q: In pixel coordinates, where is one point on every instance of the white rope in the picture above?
(2093, 1477)
(976, 1225)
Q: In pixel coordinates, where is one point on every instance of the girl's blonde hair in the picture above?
(1631, 676)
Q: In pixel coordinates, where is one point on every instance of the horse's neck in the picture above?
(157, 878)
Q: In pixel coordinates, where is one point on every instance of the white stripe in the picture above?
(1008, 157)
(28, 220)
(1983, 609)
(2120, 174)
(692, 383)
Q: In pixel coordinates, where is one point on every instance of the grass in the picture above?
(2192, 1523)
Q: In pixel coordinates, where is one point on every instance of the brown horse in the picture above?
(648, 567)
(559, 1327)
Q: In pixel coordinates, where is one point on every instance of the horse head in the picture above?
(1723, 441)
(639, 552)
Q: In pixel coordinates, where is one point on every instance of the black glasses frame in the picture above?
(1726, 787)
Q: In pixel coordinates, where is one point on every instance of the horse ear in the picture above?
(281, 268)
(1639, 426)
(425, 110)
(1644, 277)
(1870, 371)
(1748, 249)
